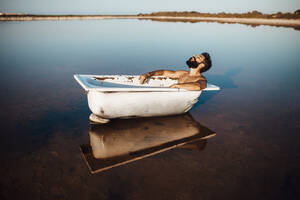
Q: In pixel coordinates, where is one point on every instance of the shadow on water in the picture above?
(126, 140)
(223, 81)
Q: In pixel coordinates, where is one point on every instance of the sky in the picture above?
(145, 6)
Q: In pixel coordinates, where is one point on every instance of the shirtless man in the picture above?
(192, 80)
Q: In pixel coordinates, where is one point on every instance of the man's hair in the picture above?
(207, 62)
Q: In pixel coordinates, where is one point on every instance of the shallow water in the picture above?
(44, 112)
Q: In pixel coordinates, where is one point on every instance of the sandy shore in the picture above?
(254, 21)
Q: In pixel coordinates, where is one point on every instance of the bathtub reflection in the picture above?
(127, 140)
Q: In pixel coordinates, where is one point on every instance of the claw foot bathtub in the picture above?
(122, 96)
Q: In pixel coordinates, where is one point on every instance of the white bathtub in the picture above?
(122, 96)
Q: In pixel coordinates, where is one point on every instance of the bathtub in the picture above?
(122, 96)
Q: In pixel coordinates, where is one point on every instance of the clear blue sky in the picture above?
(144, 6)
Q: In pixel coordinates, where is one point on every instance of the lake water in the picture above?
(44, 112)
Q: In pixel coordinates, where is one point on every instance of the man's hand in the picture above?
(143, 78)
(166, 73)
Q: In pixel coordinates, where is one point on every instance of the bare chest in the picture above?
(186, 78)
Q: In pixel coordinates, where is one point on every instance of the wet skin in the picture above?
(189, 80)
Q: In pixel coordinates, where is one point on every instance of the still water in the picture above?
(44, 112)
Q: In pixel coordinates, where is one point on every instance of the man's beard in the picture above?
(192, 64)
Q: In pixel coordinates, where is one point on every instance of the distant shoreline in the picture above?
(295, 23)
(27, 17)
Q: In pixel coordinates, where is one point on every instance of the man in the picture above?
(192, 80)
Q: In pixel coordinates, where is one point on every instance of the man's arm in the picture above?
(193, 86)
(167, 73)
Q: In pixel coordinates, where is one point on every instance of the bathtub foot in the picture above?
(94, 118)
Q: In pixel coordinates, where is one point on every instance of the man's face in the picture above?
(198, 58)
(195, 60)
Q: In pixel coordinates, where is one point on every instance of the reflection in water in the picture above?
(219, 22)
(126, 140)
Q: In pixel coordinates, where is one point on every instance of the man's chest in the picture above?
(187, 78)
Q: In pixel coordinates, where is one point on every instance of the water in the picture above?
(44, 112)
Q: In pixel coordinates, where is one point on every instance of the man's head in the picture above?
(196, 60)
